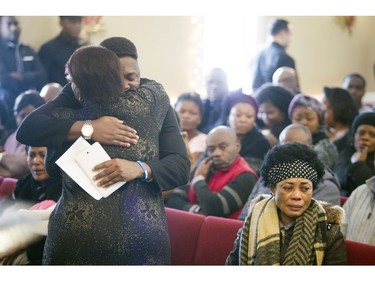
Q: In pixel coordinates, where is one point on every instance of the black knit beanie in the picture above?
(367, 118)
(239, 97)
(121, 46)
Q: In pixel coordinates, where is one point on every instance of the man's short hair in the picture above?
(123, 47)
(278, 25)
(356, 75)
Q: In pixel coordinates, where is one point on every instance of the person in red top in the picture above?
(221, 182)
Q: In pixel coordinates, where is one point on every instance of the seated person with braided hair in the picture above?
(293, 228)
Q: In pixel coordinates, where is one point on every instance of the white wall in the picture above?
(163, 42)
(324, 52)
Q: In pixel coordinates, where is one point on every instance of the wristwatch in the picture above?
(87, 130)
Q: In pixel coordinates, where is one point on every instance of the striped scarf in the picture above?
(260, 238)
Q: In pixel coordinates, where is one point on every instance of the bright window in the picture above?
(229, 43)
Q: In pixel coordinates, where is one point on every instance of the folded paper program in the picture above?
(78, 162)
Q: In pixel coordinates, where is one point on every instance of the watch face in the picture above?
(87, 130)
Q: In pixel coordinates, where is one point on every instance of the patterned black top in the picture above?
(129, 226)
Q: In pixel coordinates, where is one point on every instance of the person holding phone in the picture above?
(221, 182)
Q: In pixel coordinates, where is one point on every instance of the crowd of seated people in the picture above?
(233, 129)
(332, 125)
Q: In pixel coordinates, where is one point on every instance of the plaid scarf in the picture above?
(260, 238)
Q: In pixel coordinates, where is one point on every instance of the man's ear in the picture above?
(238, 146)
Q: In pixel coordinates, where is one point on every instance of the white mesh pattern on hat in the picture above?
(294, 169)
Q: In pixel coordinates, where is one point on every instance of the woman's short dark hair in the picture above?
(288, 153)
(97, 73)
(276, 95)
(30, 97)
(191, 96)
(342, 104)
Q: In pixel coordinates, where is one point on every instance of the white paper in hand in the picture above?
(68, 164)
(90, 157)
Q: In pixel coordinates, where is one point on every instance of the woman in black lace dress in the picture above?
(129, 226)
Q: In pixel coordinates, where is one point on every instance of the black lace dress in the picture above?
(129, 226)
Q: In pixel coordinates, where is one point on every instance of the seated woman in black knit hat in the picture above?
(273, 102)
(243, 110)
(355, 164)
(289, 227)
